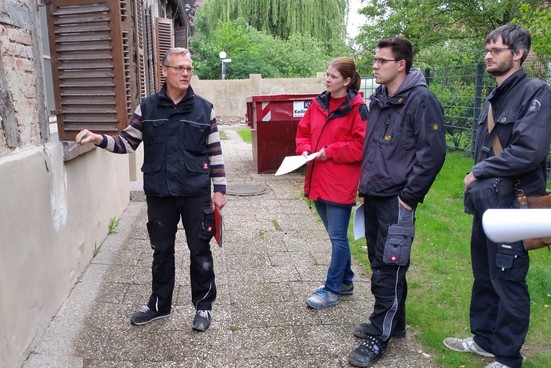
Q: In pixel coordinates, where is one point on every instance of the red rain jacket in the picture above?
(341, 133)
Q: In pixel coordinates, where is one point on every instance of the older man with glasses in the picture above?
(182, 159)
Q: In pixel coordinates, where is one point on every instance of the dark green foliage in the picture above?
(255, 52)
(438, 24)
(319, 19)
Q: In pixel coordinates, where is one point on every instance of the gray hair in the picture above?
(174, 51)
(514, 36)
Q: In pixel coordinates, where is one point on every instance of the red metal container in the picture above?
(273, 120)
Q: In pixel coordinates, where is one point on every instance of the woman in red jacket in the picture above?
(334, 127)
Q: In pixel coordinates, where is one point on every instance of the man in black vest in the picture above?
(513, 152)
(182, 158)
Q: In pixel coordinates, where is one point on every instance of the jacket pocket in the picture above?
(155, 131)
(152, 181)
(194, 136)
(196, 167)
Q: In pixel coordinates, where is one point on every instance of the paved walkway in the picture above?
(276, 251)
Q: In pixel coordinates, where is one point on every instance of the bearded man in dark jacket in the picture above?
(510, 156)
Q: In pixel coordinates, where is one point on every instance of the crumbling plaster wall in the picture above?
(54, 212)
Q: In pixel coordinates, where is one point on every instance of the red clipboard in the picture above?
(218, 226)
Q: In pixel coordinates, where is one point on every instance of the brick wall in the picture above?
(22, 106)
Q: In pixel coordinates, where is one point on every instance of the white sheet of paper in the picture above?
(291, 163)
(359, 224)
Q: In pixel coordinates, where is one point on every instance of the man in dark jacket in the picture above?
(513, 152)
(182, 158)
(403, 152)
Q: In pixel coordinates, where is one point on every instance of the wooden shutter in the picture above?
(164, 41)
(140, 48)
(130, 70)
(150, 50)
(89, 66)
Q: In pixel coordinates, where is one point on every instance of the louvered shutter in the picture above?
(150, 50)
(89, 65)
(164, 41)
(130, 70)
(140, 47)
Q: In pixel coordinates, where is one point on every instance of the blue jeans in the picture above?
(336, 219)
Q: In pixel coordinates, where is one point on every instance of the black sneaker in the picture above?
(146, 315)
(368, 352)
(202, 319)
(361, 331)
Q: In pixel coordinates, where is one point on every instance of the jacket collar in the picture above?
(352, 99)
(508, 84)
(414, 79)
(164, 100)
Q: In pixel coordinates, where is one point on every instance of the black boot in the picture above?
(368, 352)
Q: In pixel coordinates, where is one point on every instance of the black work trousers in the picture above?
(500, 302)
(164, 214)
(388, 281)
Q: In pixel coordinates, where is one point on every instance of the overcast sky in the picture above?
(355, 20)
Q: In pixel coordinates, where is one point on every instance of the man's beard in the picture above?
(500, 70)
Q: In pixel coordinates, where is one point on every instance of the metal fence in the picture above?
(461, 90)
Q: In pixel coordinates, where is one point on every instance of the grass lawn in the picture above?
(440, 276)
(245, 134)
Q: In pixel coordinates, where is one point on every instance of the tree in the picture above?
(434, 22)
(320, 19)
(255, 52)
(538, 23)
(448, 37)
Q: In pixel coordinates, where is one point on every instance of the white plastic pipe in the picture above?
(510, 225)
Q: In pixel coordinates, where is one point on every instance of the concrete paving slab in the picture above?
(275, 253)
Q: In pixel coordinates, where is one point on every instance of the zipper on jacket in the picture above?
(316, 148)
(329, 116)
(387, 124)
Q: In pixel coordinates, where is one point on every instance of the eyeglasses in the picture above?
(382, 61)
(495, 50)
(180, 68)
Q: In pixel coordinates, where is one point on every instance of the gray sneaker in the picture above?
(346, 290)
(496, 365)
(466, 345)
(322, 298)
(202, 319)
(146, 315)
